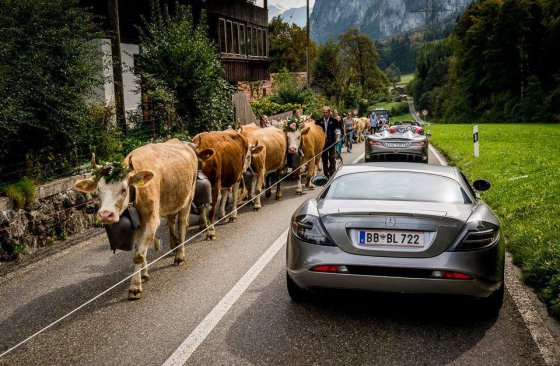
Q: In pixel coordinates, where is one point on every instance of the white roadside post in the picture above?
(475, 141)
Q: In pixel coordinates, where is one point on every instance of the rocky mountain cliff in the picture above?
(379, 18)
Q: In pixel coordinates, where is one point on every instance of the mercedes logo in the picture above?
(390, 221)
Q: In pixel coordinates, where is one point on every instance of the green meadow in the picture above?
(522, 161)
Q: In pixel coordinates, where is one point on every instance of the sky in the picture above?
(287, 4)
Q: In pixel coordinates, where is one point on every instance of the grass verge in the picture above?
(523, 164)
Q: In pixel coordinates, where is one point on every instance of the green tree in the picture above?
(329, 72)
(288, 46)
(47, 71)
(361, 57)
(393, 74)
(182, 57)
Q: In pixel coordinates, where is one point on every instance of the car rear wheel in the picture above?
(297, 293)
(491, 305)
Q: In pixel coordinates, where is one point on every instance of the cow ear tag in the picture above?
(140, 183)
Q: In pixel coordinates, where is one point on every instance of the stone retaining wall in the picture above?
(61, 212)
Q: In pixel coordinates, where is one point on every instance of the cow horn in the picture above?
(93, 163)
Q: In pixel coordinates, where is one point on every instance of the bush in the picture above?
(180, 56)
(269, 108)
(22, 193)
(15, 195)
(289, 89)
(47, 71)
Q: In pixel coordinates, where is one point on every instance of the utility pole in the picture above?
(115, 35)
(307, 57)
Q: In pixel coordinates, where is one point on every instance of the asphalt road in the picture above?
(263, 327)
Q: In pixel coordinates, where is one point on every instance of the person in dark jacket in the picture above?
(329, 126)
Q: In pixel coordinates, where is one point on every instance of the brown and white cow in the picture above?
(271, 159)
(164, 178)
(359, 127)
(308, 141)
(231, 158)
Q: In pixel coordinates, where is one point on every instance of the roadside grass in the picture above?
(386, 105)
(523, 164)
(402, 117)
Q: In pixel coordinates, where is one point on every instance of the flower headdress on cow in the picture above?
(112, 171)
(293, 124)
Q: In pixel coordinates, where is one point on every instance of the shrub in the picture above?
(29, 190)
(289, 89)
(180, 56)
(22, 193)
(47, 71)
(15, 195)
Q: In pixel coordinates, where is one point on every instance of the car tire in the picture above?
(491, 305)
(297, 293)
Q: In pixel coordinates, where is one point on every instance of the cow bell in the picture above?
(121, 234)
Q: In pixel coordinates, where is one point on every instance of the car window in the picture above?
(397, 186)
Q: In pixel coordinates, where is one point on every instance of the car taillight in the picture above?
(483, 236)
(419, 143)
(374, 143)
(419, 130)
(330, 268)
(393, 129)
(308, 228)
(448, 275)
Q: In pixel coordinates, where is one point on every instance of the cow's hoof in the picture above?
(299, 193)
(233, 219)
(179, 262)
(134, 294)
(268, 194)
(211, 237)
(311, 188)
(278, 198)
(145, 278)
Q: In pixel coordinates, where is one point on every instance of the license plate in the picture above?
(396, 238)
(400, 145)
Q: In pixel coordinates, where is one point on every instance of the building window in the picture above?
(222, 36)
(259, 42)
(229, 34)
(242, 39)
(255, 44)
(235, 38)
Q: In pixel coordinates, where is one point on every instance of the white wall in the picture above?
(106, 93)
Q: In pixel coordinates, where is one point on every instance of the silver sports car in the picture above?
(403, 140)
(398, 227)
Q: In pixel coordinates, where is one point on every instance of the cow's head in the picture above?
(251, 151)
(295, 136)
(113, 181)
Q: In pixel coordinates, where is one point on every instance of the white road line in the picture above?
(203, 329)
(359, 158)
(438, 156)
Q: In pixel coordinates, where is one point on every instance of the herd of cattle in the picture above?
(164, 178)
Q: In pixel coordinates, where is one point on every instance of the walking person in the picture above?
(373, 123)
(348, 125)
(329, 126)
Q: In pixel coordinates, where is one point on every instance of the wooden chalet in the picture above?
(239, 29)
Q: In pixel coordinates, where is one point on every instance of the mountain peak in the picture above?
(378, 18)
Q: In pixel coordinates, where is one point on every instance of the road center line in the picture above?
(203, 329)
